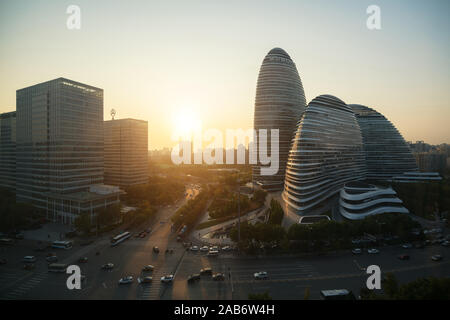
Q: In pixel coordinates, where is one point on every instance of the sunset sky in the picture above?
(158, 59)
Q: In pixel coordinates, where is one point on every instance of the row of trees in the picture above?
(275, 212)
(158, 191)
(191, 211)
(421, 289)
(103, 218)
(317, 236)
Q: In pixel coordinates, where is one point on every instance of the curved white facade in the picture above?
(359, 200)
(279, 103)
(386, 152)
(326, 153)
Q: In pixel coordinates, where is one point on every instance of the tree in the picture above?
(83, 223)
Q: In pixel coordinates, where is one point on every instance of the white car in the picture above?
(357, 251)
(29, 259)
(167, 278)
(126, 280)
(204, 249)
(148, 268)
(407, 246)
(194, 248)
(373, 251)
(226, 248)
(260, 275)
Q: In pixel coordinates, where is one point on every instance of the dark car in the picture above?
(206, 271)
(108, 266)
(403, 257)
(193, 277)
(155, 249)
(83, 260)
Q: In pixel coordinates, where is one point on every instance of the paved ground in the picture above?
(288, 276)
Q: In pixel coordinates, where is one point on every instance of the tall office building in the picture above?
(279, 103)
(386, 152)
(126, 152)
(8, 150)
(60, 148)
(326, 153)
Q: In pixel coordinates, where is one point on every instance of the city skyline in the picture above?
(202, 59)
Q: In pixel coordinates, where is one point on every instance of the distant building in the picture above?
(8, 150)
(417, 177)
(431, 161)
(60, 147)
(126, 152)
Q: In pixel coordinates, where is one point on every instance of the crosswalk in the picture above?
(152, 291)
(17, 292)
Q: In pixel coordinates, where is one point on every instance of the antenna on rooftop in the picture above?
(113, 113)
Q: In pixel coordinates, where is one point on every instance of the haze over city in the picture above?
(200, 59)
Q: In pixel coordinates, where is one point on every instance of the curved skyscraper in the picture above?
(279, 103)
(386, 152)
(326, 153)
(358, 200)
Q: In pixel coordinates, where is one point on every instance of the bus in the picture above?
(62, 245)
(337, 294)
(119, 238)
(57, 267)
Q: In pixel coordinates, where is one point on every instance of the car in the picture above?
(155, 249)
(194, 248)
(148, 268)
(126, 280)
(373, 251)
(83, 260)
(218, 277)
(437, 257)
(148, 230)
(193, 277)
(214, 248)
(29, 259)
(167, 278)
(213, 253)
(52, 259)
(260, 275)
(446, 243)
(403, 257)
(204, 249)
(145, 280)
(226, 248)
(357, 251)
(142, 235)
(407, 246)
(206, 271)
(108, 266)
(28, 266)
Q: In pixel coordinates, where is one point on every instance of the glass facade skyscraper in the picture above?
(59, 140)
(8, 150)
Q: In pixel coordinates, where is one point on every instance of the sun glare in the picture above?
(185, 123)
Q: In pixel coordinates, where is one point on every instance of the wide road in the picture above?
(129, 257)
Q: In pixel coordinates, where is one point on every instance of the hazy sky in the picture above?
(155, 59)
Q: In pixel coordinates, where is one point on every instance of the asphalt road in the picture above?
(288, 276)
